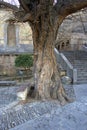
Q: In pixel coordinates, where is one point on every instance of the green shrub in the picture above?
(24, 60)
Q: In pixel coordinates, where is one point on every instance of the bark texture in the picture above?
(47, 81)
(45, 17)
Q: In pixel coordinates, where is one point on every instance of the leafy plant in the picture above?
(24, 60)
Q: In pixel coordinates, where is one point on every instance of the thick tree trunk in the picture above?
(44, 18)
(47, 80)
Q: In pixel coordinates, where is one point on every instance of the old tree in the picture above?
(45, 18)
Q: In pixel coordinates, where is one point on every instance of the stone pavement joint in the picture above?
(47, 115)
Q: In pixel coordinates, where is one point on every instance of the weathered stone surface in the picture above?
(13, 113)
(22, 93)
(66, 80)
(73, 32)
(70, 117)
(7, 58)
(20, 114)
(7, 95)
(47, 115)
(7, 83)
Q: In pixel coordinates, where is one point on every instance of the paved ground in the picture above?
(47, 115)
(7, 95)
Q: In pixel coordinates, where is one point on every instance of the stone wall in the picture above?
(13, 33)
(7, 64)
(74, 31)
(15, 38)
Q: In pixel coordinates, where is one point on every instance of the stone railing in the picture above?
(84, 48)
(63, 61)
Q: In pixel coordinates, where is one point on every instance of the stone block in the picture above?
(66, 80)
(23, 91)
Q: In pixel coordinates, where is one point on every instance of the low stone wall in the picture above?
(8, 55)
(7, 64)
(63, 61)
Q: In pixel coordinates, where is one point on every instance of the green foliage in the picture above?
(24, 60)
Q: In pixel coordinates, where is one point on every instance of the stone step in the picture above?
(81, 78)
(82, 82)
(7, 83)
(80, 63)
(82, 74)
(79, 60)
(81, 67)
(82, 71)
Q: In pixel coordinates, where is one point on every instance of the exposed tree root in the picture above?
(62, 96)
(58, 94)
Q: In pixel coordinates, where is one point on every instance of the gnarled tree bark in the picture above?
(47, 81)
(45, 17)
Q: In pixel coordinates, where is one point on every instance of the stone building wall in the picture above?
(74, 31)
(15, 38)
(22, 31)
(71, 31)
(7, 64)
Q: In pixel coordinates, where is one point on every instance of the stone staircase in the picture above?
(79, 61)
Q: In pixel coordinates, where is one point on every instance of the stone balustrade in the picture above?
(63, 61)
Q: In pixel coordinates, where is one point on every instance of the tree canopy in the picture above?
(35, 8)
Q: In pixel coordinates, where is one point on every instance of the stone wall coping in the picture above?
(66, 60)
(14, 53)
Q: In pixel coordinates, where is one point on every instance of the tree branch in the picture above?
(6, 4)
(67, 7)
(23, 4)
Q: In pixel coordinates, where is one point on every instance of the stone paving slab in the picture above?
(7, 95)
(80, 91)
(9, 118)
(70, 91)
(73, 116)
(69, 117)
(12, 114)
(47, 115)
